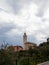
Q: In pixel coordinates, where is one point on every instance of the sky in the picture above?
(19, 16)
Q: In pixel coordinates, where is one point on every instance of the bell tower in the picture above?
(24, 38)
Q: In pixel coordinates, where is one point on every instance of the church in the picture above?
(26, 45)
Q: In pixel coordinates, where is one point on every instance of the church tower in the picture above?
(24, 39)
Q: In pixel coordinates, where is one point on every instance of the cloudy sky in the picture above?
(19, 16)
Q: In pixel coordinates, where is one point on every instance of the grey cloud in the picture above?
(42, 8)
(6, 27)
(16, 5)
(1, 9)
(13, 6)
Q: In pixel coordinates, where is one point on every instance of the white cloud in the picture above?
(26, 20)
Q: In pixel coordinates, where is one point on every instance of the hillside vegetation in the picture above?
(27, 57)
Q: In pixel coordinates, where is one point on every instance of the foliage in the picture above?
(27, 57)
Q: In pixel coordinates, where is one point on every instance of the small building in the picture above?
(16, 48)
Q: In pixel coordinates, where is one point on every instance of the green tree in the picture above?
(6, 57)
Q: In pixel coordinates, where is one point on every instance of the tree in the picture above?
(6, 58)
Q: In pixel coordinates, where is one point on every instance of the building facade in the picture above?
(29, 45)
